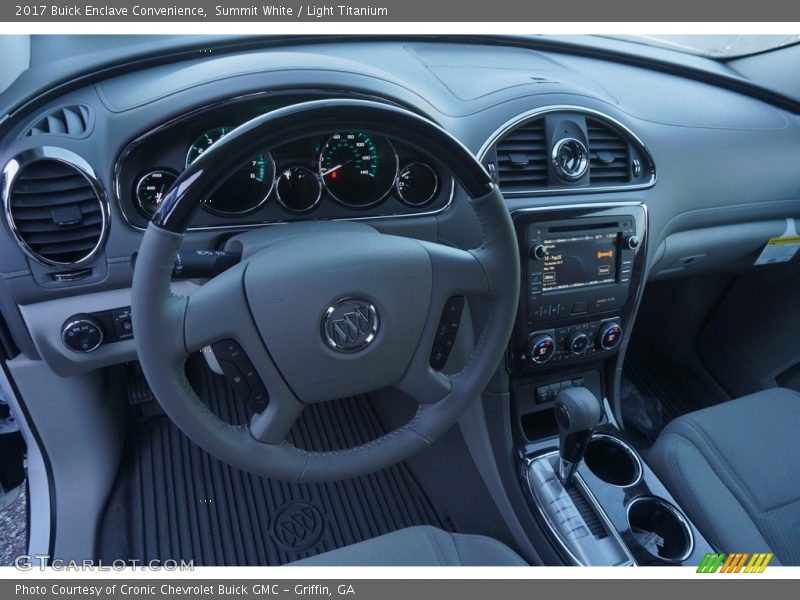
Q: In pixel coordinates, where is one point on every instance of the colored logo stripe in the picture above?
(734, 563)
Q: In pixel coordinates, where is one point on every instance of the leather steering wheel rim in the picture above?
(168, 327)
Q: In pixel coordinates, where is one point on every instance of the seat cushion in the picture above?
(420, 546)
(735, 469)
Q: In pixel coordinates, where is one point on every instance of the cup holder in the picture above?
(660, 528)
(613, 461)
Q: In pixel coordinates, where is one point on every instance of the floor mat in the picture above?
(13, 526)
(177, 502)
(656, 390)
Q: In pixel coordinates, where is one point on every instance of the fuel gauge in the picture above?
(417, 184)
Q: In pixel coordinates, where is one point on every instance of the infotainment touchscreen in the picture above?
(580, 260)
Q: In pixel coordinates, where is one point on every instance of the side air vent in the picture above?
(522, 158)
(609, 155)
(55, 210)
(70, 121)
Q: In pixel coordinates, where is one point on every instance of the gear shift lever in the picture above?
(577, 413)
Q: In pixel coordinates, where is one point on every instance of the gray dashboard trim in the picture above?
(45, 320)
(537, 112)
(126, 151)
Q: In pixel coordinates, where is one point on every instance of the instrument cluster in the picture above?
(340, 174)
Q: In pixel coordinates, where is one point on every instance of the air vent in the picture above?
(71, 121)
(56, 213)
(522, 158)
(609, 155)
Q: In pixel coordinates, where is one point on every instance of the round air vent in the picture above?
(55, 206)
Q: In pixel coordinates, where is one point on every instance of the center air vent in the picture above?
(522, 158)
(55, 210)
(70, 121)
(608, 154)
(567, 150)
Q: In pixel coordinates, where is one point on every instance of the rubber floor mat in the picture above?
(177, 502)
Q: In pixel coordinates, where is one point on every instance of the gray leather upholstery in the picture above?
(735, 469)
(420, 546)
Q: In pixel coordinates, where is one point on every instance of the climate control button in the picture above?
(577, 342)
(541, 348)
(609, 335)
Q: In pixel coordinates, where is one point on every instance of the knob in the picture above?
(609, 335)
(82, 333)
(538, 251)
(577, 414)
(541, 348)
(632, 242)
(577, 342)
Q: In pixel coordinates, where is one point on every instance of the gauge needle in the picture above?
(336, 168)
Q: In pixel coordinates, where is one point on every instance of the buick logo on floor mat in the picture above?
(350, 325)
(298, 526)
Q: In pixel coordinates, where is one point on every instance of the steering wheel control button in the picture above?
(82, 333)
(350, 324)
(230, 351)
(446, 332)
(609, 335)
(541, 348)
(258, 398)
(241, 375)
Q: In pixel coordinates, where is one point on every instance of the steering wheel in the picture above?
(324, 310)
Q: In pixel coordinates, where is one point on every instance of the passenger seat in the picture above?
(735, 470)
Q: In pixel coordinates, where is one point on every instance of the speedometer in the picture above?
(357, 169)
(245, 189)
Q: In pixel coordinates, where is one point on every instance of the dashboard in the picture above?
(85, 166)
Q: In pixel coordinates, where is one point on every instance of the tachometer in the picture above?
(246, 189)
(357, 169)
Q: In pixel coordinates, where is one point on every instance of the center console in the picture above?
(599, 503)
(582, 269)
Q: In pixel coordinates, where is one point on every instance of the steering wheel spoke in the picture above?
(272, 425)
(217, 311)
(423, 383)
(455, 272)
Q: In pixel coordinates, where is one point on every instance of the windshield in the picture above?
(714, 46)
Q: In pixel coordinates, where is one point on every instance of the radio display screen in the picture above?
(579, 261)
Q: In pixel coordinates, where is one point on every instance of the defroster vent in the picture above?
(55, 209)
(71, 121)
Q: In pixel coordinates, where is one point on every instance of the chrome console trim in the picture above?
(584, 489)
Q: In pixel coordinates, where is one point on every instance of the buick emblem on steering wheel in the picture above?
(349, 325)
